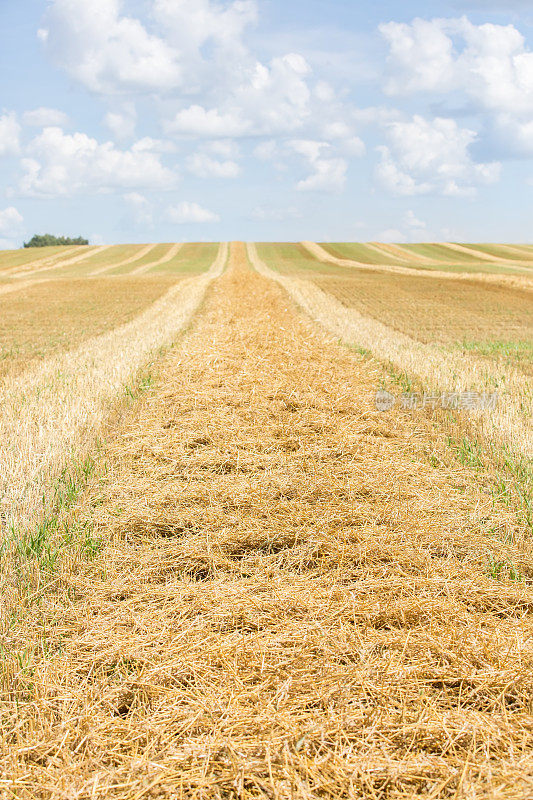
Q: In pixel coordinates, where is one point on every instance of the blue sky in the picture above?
(189, 120)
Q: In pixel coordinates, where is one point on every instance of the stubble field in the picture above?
(226, 572)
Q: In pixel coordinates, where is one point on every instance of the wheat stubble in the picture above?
(290, 602)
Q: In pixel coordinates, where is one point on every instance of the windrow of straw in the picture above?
(171, 253)
(81, 254)
(53, 411)
(137, 256)
(511, 421)
(522, 281)
(291, 602)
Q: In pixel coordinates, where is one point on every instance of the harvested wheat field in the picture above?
(494, 320)
(45, 318)
(269, 589)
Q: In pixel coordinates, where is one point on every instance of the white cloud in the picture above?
(61, 165)
(413, 222)
(203, 166)
(149, 145)
(122, 122)
(432, 156)
(489, 63)
(191, 24)
(9, 135)
(413, 229)
(515, 134)
(324, 92)
(421, 57)
(187, 212)
(112, 53)
(140, 208)
(106, 52)
(392, 235)
(43, 117)
(198, 121)
(194, 55)
(11, 221)
(262, 101)
(328, 174)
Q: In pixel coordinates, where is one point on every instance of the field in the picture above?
(52, 317)
(226, 571)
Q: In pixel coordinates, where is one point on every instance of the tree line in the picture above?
(47, 240)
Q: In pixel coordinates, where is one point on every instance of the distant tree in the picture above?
(47, 240)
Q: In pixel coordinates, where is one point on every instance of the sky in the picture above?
(266, 120)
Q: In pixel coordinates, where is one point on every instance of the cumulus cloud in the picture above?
(203, 166)
(105, 51)
(392, 235)
(11, 221)
(421, 57)
(490, 62)
(209, 123)
(412, 221)
(432, 157)
(59, 164)
(9, 135)
(516, 134)
(328, 174)
(192, 24)
(44, 117)
(194, 55)
(111, 53)
(190, 213)
(413, 230)
(266, 100)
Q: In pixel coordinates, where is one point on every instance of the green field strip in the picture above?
(439, 252)
(358, 252)
(288, 259)
(501, 251)
(26, 257)
(159, 251)
(109, 257)
(192, 259)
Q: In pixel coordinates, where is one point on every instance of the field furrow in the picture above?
(284, 599)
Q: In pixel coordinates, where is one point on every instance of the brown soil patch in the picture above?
(291, 602)
(50, 317)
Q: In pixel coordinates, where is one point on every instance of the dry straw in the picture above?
(292, 602)
(512, 420)
(51, 412)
